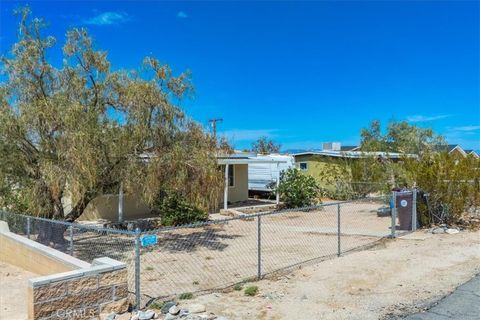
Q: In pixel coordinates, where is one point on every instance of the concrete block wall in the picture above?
(80, 294)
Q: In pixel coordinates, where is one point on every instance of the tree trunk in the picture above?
(51, 234)
(78, 209)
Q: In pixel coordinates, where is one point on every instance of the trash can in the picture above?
(404, 206)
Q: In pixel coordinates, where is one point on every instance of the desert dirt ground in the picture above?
(13, 292)
(392, 279)
(192, 260)
(220, 255)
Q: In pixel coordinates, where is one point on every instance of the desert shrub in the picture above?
(237, 287)
(156, 304)
(297, 189)
(452, 183)
(251, 291)
(185, 296)
(175, 210)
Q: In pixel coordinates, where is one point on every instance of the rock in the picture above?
(174, 310)
(221, 318)
(169, 316)
(452, 231)
(118, 307)
(146, 315)
(196, 308)
(167, 306)
(125, 316)
(107, 316)
(439, 230)
(183, 313)
(134, 317)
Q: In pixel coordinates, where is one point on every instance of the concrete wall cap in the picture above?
(4, 227)
(69, 275)
(110, 262)
(50, 252)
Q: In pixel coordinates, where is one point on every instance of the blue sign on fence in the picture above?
(148, 240)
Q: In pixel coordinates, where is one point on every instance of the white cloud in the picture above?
(421, 118)
(245, 135)
(182, 15)
(107, 18)
(466, 128)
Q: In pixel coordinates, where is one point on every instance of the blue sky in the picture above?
(298, 72)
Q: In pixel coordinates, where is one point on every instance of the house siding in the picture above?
(239, 192)
(321, 168)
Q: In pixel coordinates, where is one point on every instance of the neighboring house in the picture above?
(237, 175)
(323, 165)
(472, 153)
(349, 148)
(261, 175)
(456, 149)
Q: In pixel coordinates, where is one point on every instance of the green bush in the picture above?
(237, 287)
(297, 189)
(185, 296)
(251, 291)
(174, 210)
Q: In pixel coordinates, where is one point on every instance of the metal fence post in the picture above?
(414, 210)
(28, 227)
(339, 247)
(71, 239)
(394, 214)
(259, 247)
(137, 269)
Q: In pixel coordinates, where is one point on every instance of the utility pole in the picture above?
(213, 123)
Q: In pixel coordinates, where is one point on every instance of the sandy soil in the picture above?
(13, 292)
(191, 260)
(394, 278)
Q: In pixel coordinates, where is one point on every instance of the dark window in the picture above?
(303, 166)
(231, 176)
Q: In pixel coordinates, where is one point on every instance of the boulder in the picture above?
(146, 315)
(169, 316)
(166, 306)
(174, 310)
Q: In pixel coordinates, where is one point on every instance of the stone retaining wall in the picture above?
(80, 294)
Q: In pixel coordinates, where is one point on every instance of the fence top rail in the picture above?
(72, 224)
(259, 214)
(192, 225)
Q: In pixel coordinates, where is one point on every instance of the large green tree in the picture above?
(72, 131)
(399, 136)
(265, 145)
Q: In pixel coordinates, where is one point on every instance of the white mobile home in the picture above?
(261, 174)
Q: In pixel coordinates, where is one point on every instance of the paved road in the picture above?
(462, 304)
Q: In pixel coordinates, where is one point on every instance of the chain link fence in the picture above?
(218, 253)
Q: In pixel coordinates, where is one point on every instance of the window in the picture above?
(303, 166)
(231, 176)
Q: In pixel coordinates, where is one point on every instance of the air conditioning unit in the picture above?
(331, 146)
